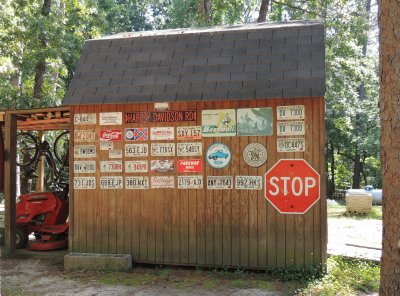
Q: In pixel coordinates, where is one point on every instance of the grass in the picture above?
(339, 211)
(345, 277)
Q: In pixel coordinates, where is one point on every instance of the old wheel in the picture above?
(21, 237)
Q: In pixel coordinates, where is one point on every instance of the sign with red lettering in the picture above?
(189, 165)
(161, 116)
(292, 186)
(111, 135)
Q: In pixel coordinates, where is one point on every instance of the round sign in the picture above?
(255, 154)
(218, 155)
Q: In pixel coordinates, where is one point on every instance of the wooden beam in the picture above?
(10, 183)
(40, 173)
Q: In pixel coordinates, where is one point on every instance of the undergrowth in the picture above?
(345, 277)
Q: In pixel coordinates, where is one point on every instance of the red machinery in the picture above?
(45, 215)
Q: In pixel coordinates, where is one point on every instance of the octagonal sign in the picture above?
(292, 186)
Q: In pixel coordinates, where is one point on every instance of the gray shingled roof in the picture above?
(267, 60)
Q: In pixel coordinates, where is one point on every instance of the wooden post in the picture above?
(40, 172)
(10, 183)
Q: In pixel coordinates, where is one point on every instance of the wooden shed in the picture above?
(173, 133)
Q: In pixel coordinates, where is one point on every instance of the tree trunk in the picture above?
(205, 8)
(361, 98)
(389, 38)
(40, 68)
(262, 16)
(357, 170)
(333, 164)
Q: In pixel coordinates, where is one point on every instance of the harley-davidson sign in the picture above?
(161, 116)
(111, 135)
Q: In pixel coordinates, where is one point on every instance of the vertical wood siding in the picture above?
(232, 228)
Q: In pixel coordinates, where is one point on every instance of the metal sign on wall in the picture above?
(111, 182)
(161, 116)
(219, 123)
(84, 118)
(84, 167)
(219, 182)
(85, 151)
(162, 149)
(136, 182)
(136, 166)
(84, 182)
(136, 150)
(111, 166)
(254, 122)
(84, 136)
(190, 149)
(162, 182)
(189, 165)
(110, 118)
(111, 135)
(188, 132)
(162, 133)
(190, 182)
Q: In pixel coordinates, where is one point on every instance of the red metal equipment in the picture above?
(45, 215)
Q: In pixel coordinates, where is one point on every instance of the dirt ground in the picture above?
(355, 238)
(349, 237)
(46, 277)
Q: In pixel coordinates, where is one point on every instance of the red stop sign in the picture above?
(292, 186)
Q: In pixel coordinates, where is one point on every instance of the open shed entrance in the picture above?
(37, 121)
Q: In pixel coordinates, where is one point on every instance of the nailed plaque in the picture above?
(136, 166)
(290, 128)
(248, 182)
(294, 112)
(190, 182)
(110, 118)
(190, 149)
(84, 151)
(162, 149)
(115, 153)
(219, 182)
(106, 145)
(164, 165)
(111, 166)
(84, 118)
(135, 150)
(162, 133)
(255, 154)
(136, 182)
(111, 182)
(162, 182)
(219, 123)
(111, 135)
(188, 132)
(161, 116)
(84, 182)
(84, 166)
(218, 155)
(189, 165)
(291, 144)
(137, 134)
(84, 136)
(254, 122)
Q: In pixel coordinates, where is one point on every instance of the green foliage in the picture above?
(345, 277)
(351, 62)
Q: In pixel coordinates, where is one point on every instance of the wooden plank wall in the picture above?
(231, 228)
